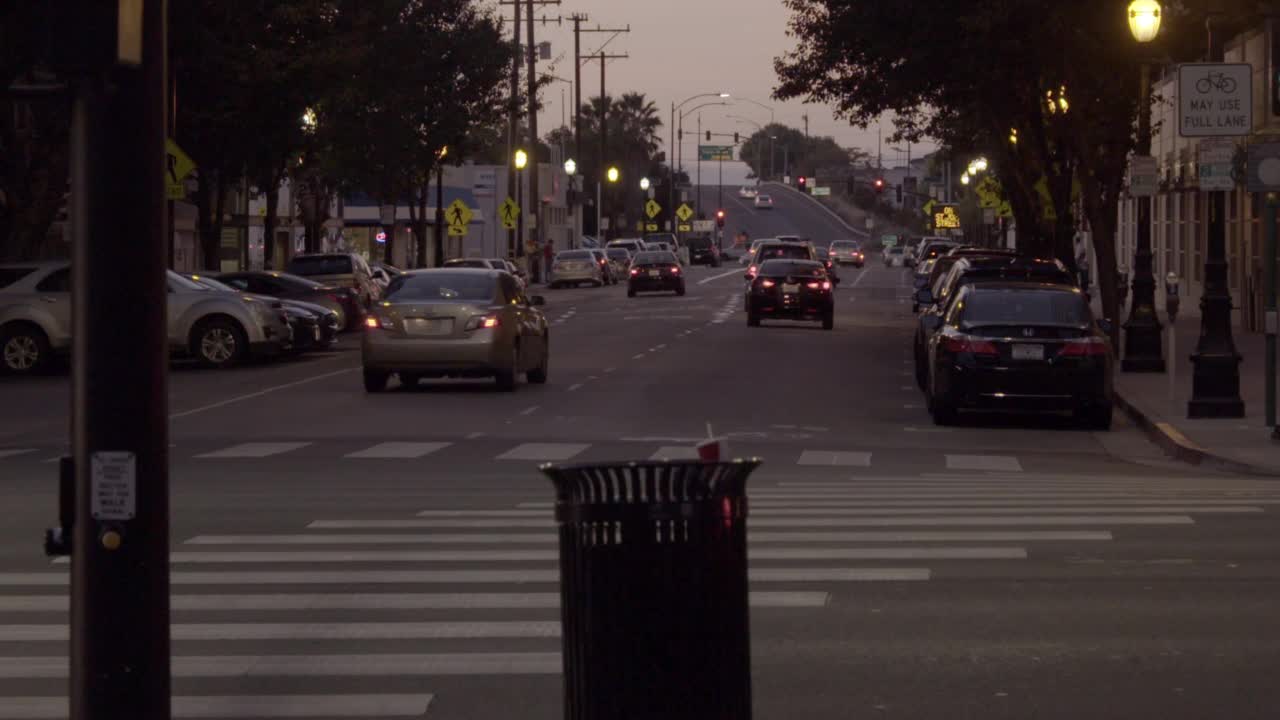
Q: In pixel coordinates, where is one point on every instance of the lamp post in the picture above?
(680, 133)
(1215, 363)
(1142, 345)
(439, 253)
(612, 175)
(521, 159)
(678, 149)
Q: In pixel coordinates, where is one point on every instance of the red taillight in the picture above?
(604, 262)
(767, 283)
(965, 344)
(635, 271)
(675, 269)
(371, 322)
(751, 270)
(1087, 347)
(815, 285)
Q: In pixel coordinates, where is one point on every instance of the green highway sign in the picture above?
(715, 152)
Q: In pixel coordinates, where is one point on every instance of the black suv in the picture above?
(702, 249)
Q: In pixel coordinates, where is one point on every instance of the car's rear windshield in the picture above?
(468, 263)
(698, 242)
(653, 258)
(845, 244)
(763, 197)
(443, 286)
(769, 252)
(791, 267)
(998, 306)
(321, 265)
(618, 253)
(1046, 273)
(11, 275)
(574, 255)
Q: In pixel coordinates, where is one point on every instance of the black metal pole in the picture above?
(120, 576)
(1143, 350)
(604, 152)
(513, 132)
(439, 251)
(535, 197)
(1215, 374)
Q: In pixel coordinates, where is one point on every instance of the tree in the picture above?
(804, 155)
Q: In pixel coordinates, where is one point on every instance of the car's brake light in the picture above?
(1085, 347)
(965, 344)
(751, 270)
(675, 269)
(371, 322)
(767, 283)
(815, 285)
(483, 322)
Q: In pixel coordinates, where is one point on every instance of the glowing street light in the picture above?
(644, 183)
(570, 167)
(613, 174)
(522, 159)
(964, 179)
(309, 120)
(1144, 20)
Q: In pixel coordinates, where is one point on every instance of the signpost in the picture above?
(1214, 161)
(652, 208)
(1215, 99)
(1143, 176)
(946, 217)
(508, 213)
(684, 212)
(1264, 177)
(821, 191)
(459, 218)
(715, 152)
(704, 226)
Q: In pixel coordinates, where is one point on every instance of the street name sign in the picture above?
(822, 191)
(1215, 99)
(1214, 163)
(715, 152)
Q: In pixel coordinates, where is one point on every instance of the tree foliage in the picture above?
(803, 154)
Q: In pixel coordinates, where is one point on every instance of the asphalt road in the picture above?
(339, 554)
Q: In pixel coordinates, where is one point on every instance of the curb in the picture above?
(828, 210)
(1180, 447)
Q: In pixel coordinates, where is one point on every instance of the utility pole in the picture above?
(579, 60)
(577, 19)
(514, 129)
(119, 534)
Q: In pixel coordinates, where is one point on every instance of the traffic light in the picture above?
(898, 188)
(878, 184)
(719, 218)
(802, 183)
(708, 136)
(735, 138)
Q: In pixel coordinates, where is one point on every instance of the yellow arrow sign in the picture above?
(458, 215)
(651, 227)
(684, 228)
(684, 212)
(178, 165)
(508, 211)
(652, 208)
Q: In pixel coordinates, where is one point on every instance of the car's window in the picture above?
(574, 255)
(763, 198)
(321, 265)
(11, 275)
(441, 286)
(1024, 306)
(617, 253)
(57, 281)
(510, 289)
(790, 267)
(768, 252)
(652, 257)
(468, 263)
(214, 284)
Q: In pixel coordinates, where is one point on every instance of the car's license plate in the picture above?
(790, 288)
(429, 326)
(1028, 352)
(655, 273)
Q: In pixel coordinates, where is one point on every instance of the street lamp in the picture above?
(644, 183)
(522, 159)
(1142, 346)
(309, 121)
(613, 174)
(570, 167)
(439, 252)
(964, 179)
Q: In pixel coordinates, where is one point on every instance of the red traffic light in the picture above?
(801, 180)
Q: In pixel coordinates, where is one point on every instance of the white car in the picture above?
(747, 192)
(763, 202)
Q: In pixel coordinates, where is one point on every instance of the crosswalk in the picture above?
(438, 592)
(478, 447)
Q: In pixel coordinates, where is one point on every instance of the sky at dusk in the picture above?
(680, 48)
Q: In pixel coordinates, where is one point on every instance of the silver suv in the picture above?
(218, 329)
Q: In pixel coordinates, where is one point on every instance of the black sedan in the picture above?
(1020, 346)
(655, 270)
(790, 290)
(344, 301)
(312, 326)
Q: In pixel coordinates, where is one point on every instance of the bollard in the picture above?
(653, 589)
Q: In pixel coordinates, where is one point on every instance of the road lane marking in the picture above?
(246, 706)
(317, 631)
(543, 451)
(706, 280)
(260, 393)
(637, 356)
(422, 601)
(575, 386)
(363, 665)
(399, 450)
(999, 463)
(15, 451)
(836, 458)
(530, 410)
(972, 521)
(255, 450)
(675, 452)
(475, 436)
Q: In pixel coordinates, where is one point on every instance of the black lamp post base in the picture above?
(1215, 387)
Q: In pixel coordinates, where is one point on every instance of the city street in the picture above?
(342, 554)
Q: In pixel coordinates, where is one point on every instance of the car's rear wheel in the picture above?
(375, 381)
(829, 320)
(1095, 417)
(219, 343)
(631, 292)
(753, 318)
(506, 377)
(25, 349)
(680, 289)
(538, 375)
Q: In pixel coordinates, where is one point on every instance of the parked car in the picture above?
(455, 322)
(574, 267)
(312, 326)
(619, 260)
(218, 329)
(341, 269)
(1020, 346)
(344, 301)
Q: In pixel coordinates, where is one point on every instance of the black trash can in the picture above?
(653, 586)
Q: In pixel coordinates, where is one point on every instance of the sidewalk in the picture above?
(1242, 445)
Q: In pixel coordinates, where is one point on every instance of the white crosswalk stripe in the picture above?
(399, 450)
(545, 452)
(14, 452)
(255, 450)
(1003, 463)
(833, 457)
(245, 706)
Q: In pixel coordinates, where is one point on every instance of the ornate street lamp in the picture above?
(1143, 351)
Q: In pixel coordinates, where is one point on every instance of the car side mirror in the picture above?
(1106, 325)
(537, 300)
(924, 296)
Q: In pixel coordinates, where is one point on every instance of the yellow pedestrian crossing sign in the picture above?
(178, 165)
(652, 208)
(684, 212)
(508, 211)
(458, 215)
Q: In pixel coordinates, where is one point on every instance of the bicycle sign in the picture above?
(1215, 99)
